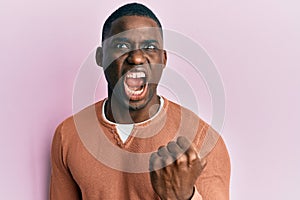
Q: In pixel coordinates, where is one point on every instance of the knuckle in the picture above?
(193, 155)
(173, 147)
(168, 161)
(171, 143)
(162, 151)
(153, 156)
(154, 161)
(157, 164)
(159, 148)
(181, 160)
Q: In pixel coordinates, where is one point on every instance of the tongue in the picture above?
(134, 83)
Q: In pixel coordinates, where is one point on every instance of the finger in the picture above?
(192, 155)
(190, 150)
(182, 161)
(163, 151)
(183, 143)
(203, 163)
(167, 161)
(165, 156)
(174, 150)
(155, 162)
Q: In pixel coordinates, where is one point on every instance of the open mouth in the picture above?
(135, 85)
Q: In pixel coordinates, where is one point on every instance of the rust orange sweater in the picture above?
(90, 162)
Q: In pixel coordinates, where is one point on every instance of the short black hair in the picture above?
(131, 9)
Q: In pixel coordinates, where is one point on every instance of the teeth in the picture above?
(133, 92)
(136, 75)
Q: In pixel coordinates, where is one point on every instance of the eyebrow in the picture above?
(150, 41)
(120, 40)
(123, 39)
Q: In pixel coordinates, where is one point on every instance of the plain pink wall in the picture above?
(255, 45)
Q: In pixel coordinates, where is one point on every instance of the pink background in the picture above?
(255, 45)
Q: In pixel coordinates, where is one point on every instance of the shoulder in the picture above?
(206, 138)
(185, 116)
(67, 129)
(172, 107)
(190, 124)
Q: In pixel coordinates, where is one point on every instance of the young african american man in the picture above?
(136, 144)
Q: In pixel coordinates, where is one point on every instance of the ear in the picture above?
(99, 56)
(165, 58)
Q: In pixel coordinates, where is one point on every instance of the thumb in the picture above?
(203, 163)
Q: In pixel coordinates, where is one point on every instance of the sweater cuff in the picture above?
(196, 195)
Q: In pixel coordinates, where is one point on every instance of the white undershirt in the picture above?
(124, 130)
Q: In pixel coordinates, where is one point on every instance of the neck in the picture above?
(123, 115)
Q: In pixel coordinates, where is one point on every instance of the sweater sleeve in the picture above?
(62, 184)
(213, 183)
(196, 195)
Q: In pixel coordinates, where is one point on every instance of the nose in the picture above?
(136, 57)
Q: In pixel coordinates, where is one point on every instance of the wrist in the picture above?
(193, 192)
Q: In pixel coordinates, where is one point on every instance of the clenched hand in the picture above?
(174, 169)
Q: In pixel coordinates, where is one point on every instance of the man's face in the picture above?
(133, 59)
